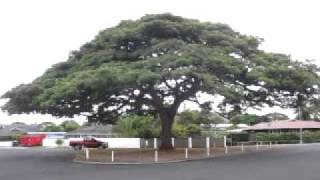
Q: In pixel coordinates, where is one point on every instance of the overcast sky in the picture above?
(36, 34)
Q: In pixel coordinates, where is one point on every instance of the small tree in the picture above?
(70, 125)
(137, 126)
(249, 119)
(53, 128)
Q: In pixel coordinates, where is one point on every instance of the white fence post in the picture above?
(270, 144)
(257, 145)
(186, 153)
(112, 156)
(147, 143)
(301, 136)
(242, 148)
(226, 150)
(190, 142)
(155, 143)
(208, 145)
(156, 158)
(87, 154)
(225, 141)
(172, 141)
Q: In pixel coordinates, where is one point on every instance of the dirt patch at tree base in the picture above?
(147, 156)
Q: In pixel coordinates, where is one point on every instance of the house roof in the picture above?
(225, 125)
(7, 130)
(285, 124)
(93, 129)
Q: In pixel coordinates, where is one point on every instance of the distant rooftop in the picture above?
(285, 124)
(92, 129)
(6, 130)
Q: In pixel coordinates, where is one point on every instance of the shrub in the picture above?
(182, 130)
(59, 142)
(239, 137)
(283, 137)
(137, 126)
(311, 136)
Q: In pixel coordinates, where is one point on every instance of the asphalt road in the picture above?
(290, 163)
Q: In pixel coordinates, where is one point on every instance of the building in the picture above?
(8, 131)
(99, 131)
(222, 129)
(283, 126)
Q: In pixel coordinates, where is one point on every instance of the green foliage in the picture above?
(59, 142)
(193, 130)
(15, 136)
(69, 125)
(137, 126)
(179, 130)
(53, 128)
(252, 119)
(283, 137)
(249, 119)
(186, 130)
(188, 117)
(199, 117)
(311, 136)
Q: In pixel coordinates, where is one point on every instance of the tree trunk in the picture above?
(166, 130)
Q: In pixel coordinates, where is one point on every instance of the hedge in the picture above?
(289, 137)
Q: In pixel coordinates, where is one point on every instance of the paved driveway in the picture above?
(291, 163)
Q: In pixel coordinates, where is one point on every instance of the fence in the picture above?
(200, 148)
(191, 142)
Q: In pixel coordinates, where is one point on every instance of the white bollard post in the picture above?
(186, 153)
(226, 150)
(301, 136)
(147, 143)
(242, 147)
(172, 142)
(87, 154)
(156, 158)
(257, 145)
(112, 156)
(155, 143)
(208, 145)
(190, 142)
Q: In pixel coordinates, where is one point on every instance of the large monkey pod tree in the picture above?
(152, 65)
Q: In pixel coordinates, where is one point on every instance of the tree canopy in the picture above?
(153, 64)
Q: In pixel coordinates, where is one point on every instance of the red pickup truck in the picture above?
(88, 143)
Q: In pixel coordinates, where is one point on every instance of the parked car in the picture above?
(88, 142)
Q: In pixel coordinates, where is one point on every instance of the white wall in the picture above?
(121, 142)
(117, 142)
(51, 142)
(6, 143)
